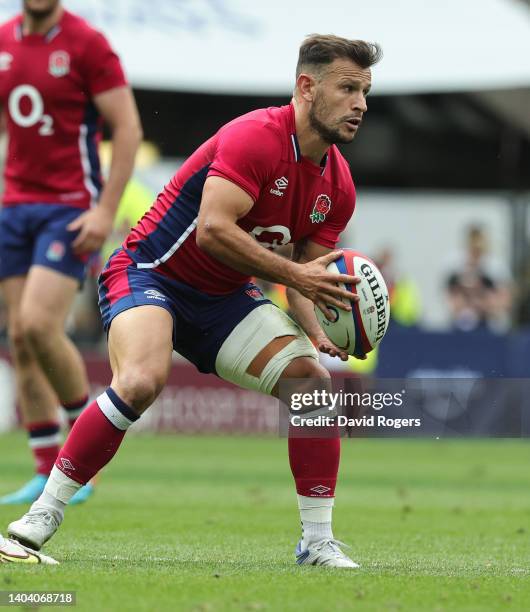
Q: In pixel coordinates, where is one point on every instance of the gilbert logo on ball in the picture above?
(360, 330)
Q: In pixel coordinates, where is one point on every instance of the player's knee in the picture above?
(306, 378)
(138, 387)
(36, 331)
(303, 375)
(17, 342)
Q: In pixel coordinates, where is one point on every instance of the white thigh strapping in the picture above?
(250, 337)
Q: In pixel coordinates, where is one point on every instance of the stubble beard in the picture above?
(329, 135)
(40, 14)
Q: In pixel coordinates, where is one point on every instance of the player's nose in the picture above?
(359, 103)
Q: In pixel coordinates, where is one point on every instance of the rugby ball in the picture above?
(360, 330)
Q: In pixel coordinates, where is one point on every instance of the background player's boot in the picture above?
(14, 552)
(26, 494)
(326, 553)
(36, 527)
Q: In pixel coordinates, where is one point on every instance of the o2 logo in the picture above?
(273, 242)
(36, 112)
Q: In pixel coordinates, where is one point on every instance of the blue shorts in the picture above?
(201, 322)
(36, 234)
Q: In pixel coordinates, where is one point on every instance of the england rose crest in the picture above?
(56, 251)
(59, 64)
(320, 209)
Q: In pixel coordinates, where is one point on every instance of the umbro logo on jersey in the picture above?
(152, 294)
(281, 186)
(5, 61)
(67, 465)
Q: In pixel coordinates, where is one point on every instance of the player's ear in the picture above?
(305, 84)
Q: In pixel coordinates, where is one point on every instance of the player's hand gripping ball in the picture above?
(360, 330)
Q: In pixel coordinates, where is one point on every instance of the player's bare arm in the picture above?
(222, 204)
(302, 309)
(118, 108)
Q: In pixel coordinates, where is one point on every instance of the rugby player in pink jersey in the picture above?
(59, 80)
(182, 280)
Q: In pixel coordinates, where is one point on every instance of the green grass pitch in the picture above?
(206, 524)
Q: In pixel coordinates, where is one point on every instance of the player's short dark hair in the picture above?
(318, 50)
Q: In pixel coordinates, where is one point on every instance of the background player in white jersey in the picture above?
(182, 281)
(59, 78)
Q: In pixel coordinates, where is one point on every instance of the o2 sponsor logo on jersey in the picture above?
(56, 251)
(320, 209)
(59, 64)
(272, 237)
(31, 112)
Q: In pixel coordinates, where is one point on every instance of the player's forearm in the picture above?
(230, 244)
(125, 141)
(303, 310)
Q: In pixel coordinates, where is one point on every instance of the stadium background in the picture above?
(202, 522)
(446, 145)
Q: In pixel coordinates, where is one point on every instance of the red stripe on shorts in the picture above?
(115, 278)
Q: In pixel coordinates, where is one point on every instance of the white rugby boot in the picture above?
(14, 552)
(36, 527)
(326, 553)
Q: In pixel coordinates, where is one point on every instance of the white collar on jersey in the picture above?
(19, 34)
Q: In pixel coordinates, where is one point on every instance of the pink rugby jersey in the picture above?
(47, 86)
(293, 199)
